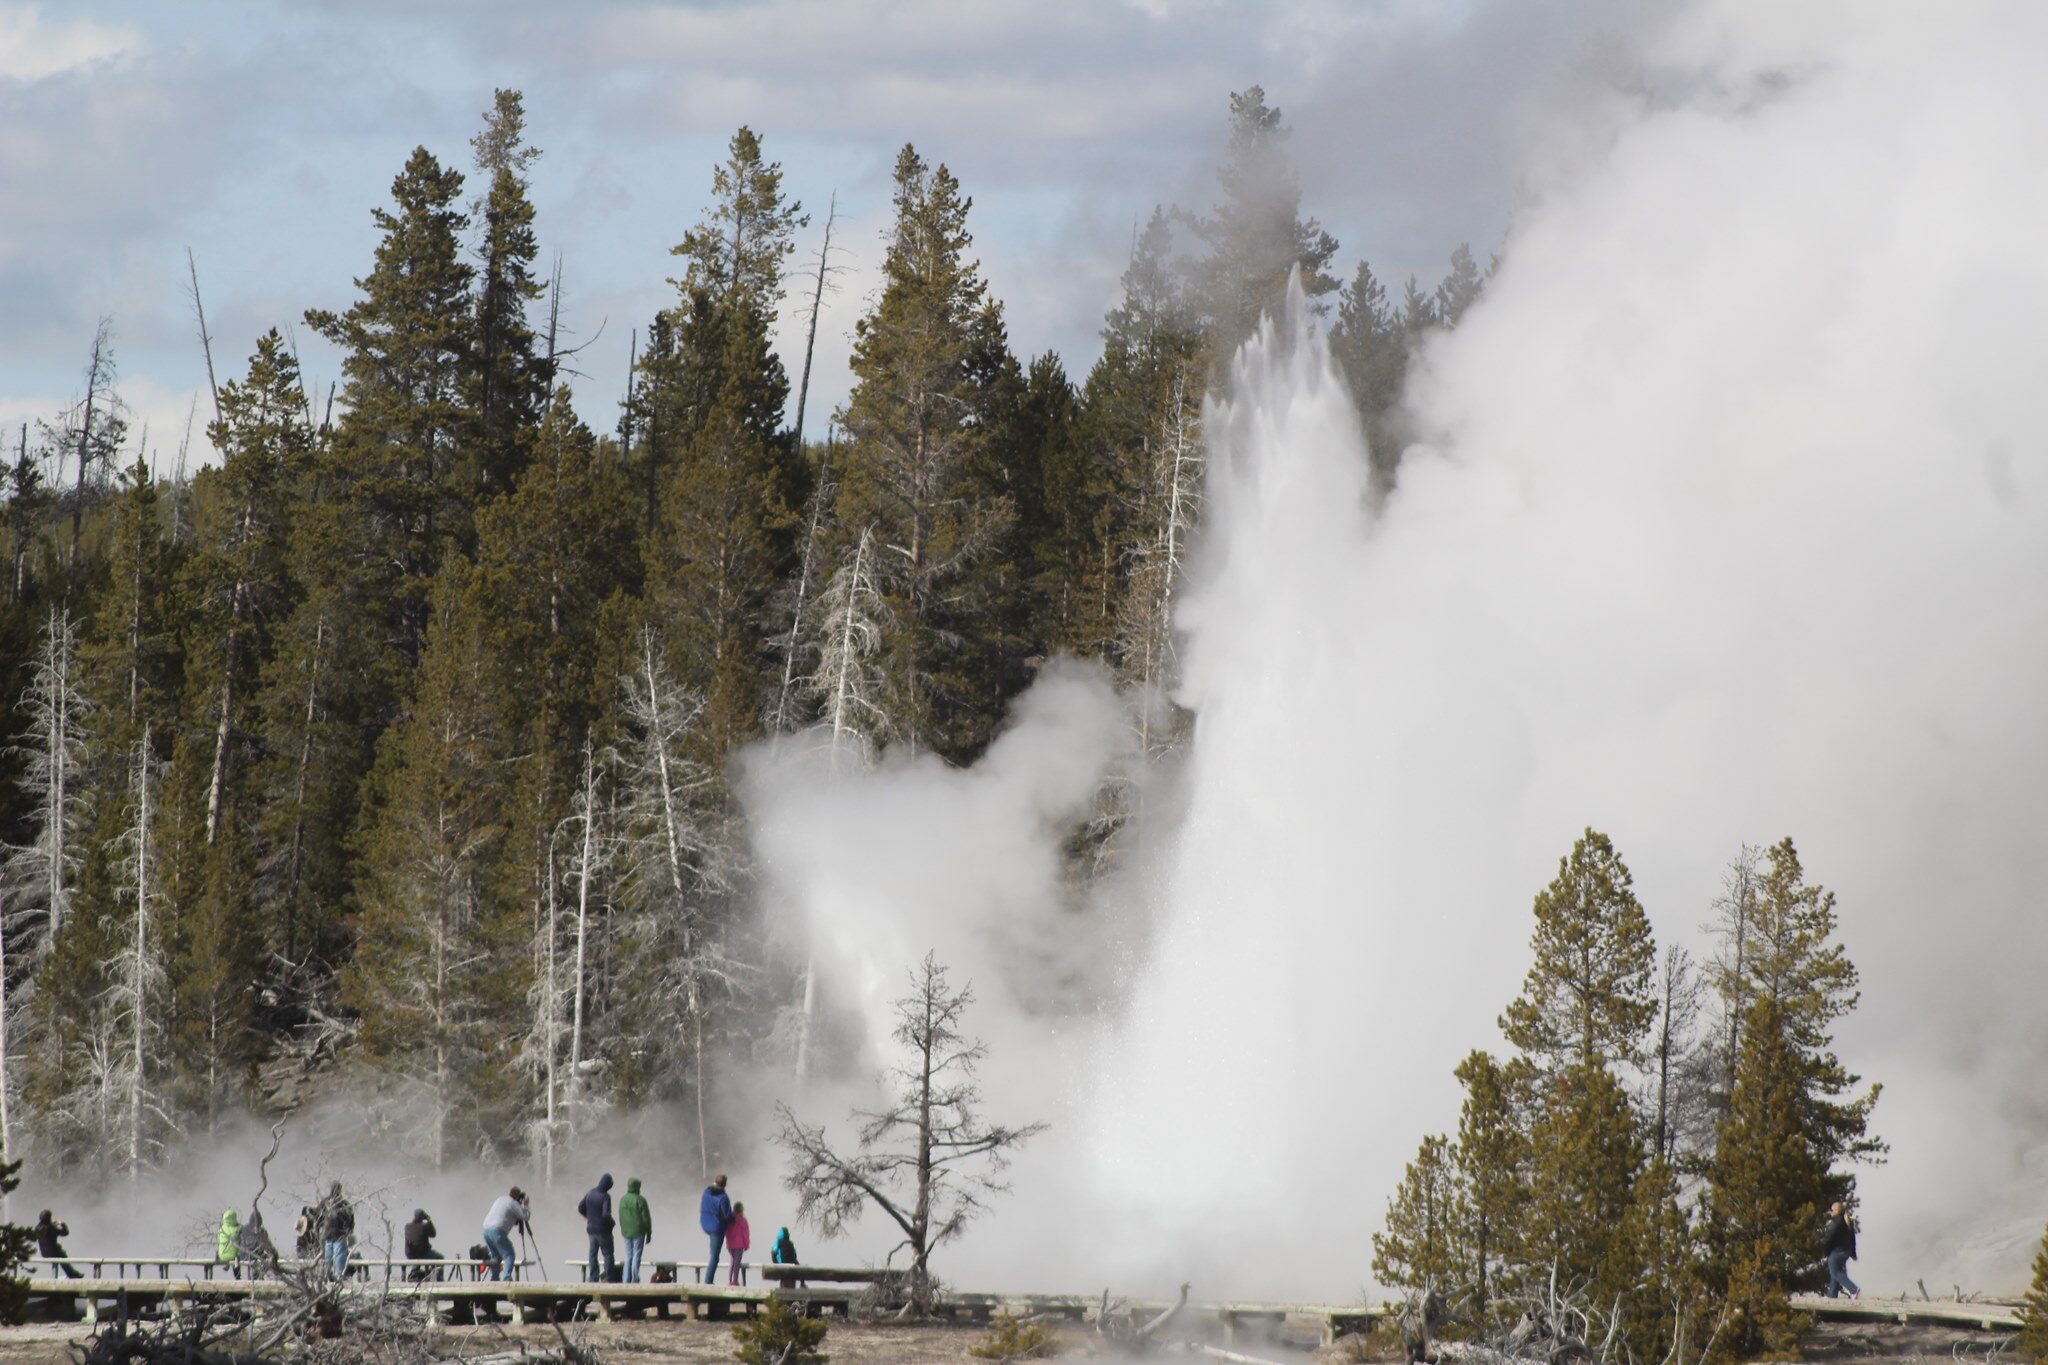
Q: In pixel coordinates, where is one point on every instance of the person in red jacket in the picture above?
(738, 1237)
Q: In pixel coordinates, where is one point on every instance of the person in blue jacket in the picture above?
(596, 1208)
(715, 1216)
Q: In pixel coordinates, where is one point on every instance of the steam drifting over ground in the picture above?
(1731, 522)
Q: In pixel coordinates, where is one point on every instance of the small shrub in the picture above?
(1010, 1338)
(780, 1335)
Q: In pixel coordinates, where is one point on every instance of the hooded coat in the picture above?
(784, 1252)
(228, 1245)
(635, 1218)
(596, 1208)
(715, 1211)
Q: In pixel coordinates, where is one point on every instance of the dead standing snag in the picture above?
(928, 1162)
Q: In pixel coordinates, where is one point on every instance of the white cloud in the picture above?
(33, 46)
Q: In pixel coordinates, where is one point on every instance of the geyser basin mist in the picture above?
(1731, 523)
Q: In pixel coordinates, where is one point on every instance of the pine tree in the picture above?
(1123, 508)
(1585, 1157)
(2033, 1339)
(1766, 1188)
(1420, 1246)
(913, 460)
(1255, 235)
(237, 588)
(713, 395)
(404, 467)
(1370, 345)
(1493, 1156)
(1460, 289)
(510, 381)
(1587, 1000)
(429, 967)
(1793, 960)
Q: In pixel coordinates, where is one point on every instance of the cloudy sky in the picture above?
(261, 135)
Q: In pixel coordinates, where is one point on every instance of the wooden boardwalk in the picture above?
(834, 1291)
(1981, 1317)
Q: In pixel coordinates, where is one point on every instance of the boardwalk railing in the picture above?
(206, 1267)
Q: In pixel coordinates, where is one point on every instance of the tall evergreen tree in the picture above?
(1767, 1188)
(728, 483)
(1419, 1246)
(2033, 1339)
(1493, 1153)
(237, 589)
(404, 470)
(1585, 1157)
(1793, 960)
(431, 973)
(509, 380)
(1587, 1000)
(1371, 347)
(912, 459)
(1255, 235)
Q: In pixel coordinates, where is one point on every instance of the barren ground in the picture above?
(674, 1343)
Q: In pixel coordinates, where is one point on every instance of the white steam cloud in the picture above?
(1732, 523)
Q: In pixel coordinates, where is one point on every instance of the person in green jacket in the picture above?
(636, 1225)
(228, 1246)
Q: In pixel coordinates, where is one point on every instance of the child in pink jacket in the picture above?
(738, 1237)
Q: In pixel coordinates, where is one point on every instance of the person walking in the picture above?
(784, 1253)
(738, 1237)
(636, 1225)
(511, 1211)
(1838, 1240)
(596, 1208)
(227, 1244)
(714, 1215)
(337, 1228)
(48, 1230)
(419, 1246)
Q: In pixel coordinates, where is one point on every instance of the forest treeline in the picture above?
(1653, 1160)
(395, 746)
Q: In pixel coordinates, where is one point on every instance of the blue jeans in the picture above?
(634, 1246)
(337, 1258)
(711, 1266)
(1838, 1275)
(503, 1258)
(600, 1246)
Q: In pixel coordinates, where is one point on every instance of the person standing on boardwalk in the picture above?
(48, 1230)
(596, 1208)
(511, 1211)
(738, 1237)
(227, 1244)
(337, 1227)
(636, 1225)
(714, 1216)
(1838, 1240)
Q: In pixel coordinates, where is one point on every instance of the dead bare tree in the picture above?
(927, 1162)
(824, 271)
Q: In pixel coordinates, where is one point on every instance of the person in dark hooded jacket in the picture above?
(1838, 1240)
(596, 1208)
(419, 1246)
(48, 1230)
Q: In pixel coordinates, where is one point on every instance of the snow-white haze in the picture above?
(1732, 524)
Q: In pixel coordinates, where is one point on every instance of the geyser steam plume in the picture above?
(1732, 523)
